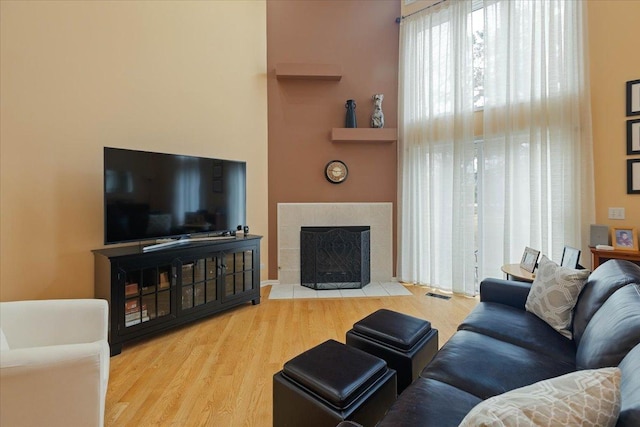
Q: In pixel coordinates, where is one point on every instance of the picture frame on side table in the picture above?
(633, 137)
(624, 238)
(529, 259)
(633, 98)
(570, 257)
(633, 176)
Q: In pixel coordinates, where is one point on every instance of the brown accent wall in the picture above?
(361, 37)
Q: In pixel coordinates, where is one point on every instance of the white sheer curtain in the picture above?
(436, 195)
(536, 183)
(530, 165)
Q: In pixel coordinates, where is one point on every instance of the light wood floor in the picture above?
(218, 371)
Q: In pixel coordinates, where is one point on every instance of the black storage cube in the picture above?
(405, 342)
(331, 383)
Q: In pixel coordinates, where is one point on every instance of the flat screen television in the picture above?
(159, 196)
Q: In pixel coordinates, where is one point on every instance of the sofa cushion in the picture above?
(554, 293)
(493, 365)
(525, 330)
(630, 389)
(612, 332)
(429, 403)
(586, 398)
(602, 283)
(506, 292)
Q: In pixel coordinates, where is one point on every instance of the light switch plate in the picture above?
(616, 213)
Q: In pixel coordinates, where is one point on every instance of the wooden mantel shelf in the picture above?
(303, 71)
(364, 134)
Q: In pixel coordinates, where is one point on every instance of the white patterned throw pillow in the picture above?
(554, 293)
(581, 398)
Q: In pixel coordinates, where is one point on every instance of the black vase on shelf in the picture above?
(350, 121)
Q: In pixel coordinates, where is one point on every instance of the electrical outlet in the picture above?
(616, 213)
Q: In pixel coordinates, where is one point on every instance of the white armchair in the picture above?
(54, 362)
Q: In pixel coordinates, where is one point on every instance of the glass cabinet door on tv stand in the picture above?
(237, 272)
(149, 292)
(198, 282)
(218, 278)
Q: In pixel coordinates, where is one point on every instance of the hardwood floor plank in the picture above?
(219, 371)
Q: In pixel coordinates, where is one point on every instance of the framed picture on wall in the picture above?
(633, 176)
(633, 98)
(633, 136)
(624, 238)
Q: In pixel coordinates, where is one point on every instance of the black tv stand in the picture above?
(150, 292)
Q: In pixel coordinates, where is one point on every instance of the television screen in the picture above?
(154, 195)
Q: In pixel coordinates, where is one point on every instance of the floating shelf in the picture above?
(364, 134)
(303, 71)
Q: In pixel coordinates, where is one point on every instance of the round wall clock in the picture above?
(336, 171)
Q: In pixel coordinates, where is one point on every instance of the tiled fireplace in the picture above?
(293, 216)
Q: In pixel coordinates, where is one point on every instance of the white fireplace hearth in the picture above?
(293, 216)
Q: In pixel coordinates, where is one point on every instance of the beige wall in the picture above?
(409, 7)
(189, 77)
(362, 38)
(178, 77)
(613, 47)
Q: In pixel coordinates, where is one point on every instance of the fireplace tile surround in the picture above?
(373, 289)
(293, 216)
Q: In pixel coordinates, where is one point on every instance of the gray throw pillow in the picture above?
(554, 293)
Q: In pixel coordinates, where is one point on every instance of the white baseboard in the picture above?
(269, 282)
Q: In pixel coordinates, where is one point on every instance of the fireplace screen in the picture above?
(335, 257)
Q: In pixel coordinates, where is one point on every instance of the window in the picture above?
(477, 27)
(494, 133)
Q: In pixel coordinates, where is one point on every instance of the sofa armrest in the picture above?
(508, 292)
(53, 385)
(41, 323)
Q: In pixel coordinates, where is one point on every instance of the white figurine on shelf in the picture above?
(377, 118)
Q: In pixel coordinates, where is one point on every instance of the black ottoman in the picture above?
(331, 383)
(407, 343)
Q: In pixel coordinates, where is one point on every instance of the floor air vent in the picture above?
(431, 294)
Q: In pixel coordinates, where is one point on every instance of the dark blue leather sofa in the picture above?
(500, 347)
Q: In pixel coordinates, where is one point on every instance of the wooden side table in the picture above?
(600, 256)
(515, 272)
